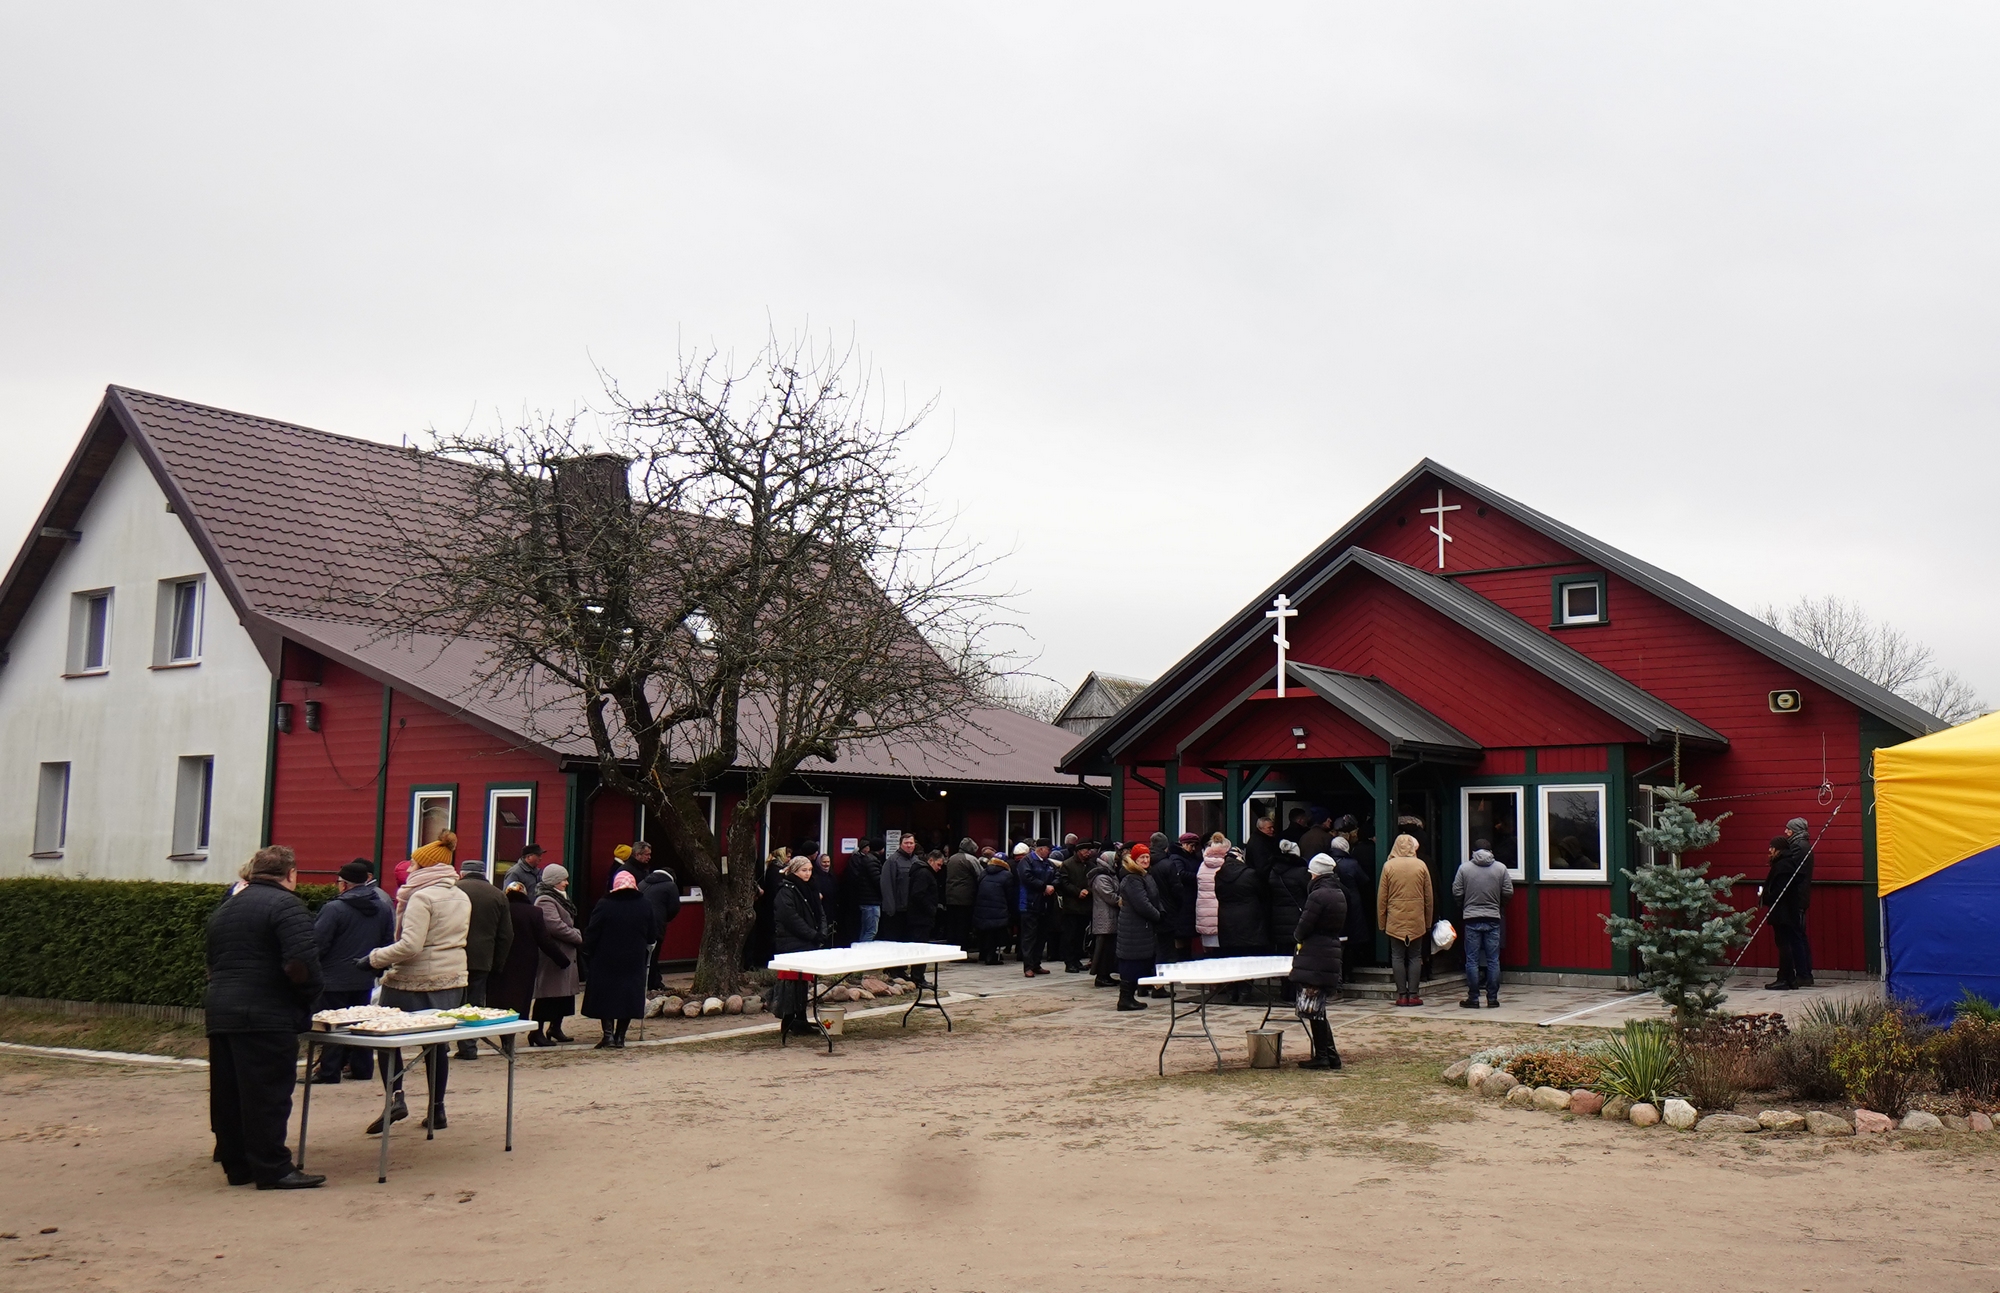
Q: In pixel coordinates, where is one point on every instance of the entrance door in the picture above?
(1031, 824)
(795, 822)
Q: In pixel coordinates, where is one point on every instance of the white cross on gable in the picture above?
(1284, 611)
(1438, 529)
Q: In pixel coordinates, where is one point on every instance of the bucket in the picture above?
(834, 1018)
(1267, 1047)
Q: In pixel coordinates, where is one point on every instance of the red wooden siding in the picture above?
(1502, 763)
(1833, 926)
(1572, 926)
(983, 825)
(1514, 945)
(1404, 533)
(1142, 807)
(1262, 729)
(1572, 758)
(324, 797)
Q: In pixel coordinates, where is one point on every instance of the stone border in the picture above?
(1499, 1084)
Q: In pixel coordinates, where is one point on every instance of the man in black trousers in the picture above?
(263, 978)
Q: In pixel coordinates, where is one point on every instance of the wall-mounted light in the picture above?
(284, 716)
(1299, 735)
(312, 716)
(943, 793)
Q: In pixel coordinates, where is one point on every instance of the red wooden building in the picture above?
(1459, 657)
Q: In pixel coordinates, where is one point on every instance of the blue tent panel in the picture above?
(1944, 936)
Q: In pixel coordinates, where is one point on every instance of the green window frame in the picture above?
(1560, 616)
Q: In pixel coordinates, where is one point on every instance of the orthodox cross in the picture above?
(1285, 610)
(1438, 529)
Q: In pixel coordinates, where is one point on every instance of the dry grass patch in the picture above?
(122, 1033)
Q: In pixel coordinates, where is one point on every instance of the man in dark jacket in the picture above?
(896, 889)
(663, 894)
(263, 978)
(864, 876)
(1073, 902)
(1787, 891)
(527, 872)
(1035, 876)
(1318, 833)
(1261, 849)
(349, 927)
(487, 939)
(926, 902)
(961, 888)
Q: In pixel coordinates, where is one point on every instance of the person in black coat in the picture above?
(1286, 883)
(1316, 965)
(1787, 891)
(1261, 849)
(348, 928)
(926, 903)
(993, 908)
(513, 987)
(797, 925)
(1241, 907)
(615, 940)
(663, 894)
(263, 979)
(1141, 922)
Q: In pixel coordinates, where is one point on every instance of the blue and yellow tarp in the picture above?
(1937, 837)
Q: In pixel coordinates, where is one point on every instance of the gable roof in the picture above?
(285, 516)
(1111, 691)
(1709, 609)
(1406, 727)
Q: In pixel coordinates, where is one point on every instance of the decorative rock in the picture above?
(734, 1005)
(1584, 1103)
(1827, 1124)
(875, 985)
(1952, 1123)
(1498, 1083)
(1551, 1099)
(692, 1010)
(1679, 1114)
(1869, 1123)
(673, 1006)
(1919, 1120)
(1617, 1108)
(712, 1006)
(1522, 1097)
(860, 994)
(1643, 1115)
(1457, 1072)
(753, 1005)
(1728, 1122)
(1476, 1076)
(1780, 1120)
(1979, 1122)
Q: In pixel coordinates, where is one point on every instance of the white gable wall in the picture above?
(124, 732)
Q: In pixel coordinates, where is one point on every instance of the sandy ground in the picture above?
(1032, 1149)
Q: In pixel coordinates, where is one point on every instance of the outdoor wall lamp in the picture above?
(1299, 735)
(284, 717)
(312, 715)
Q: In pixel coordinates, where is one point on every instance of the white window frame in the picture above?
(825, 803)
(645, 819)
(1603, 872)
(51, 810)
(1572, 617)
(1193, 796)
(493, 798)
(194, 805)
(1465, 793)
(1054, 835)
(166, 621)
(417, 798)
(1250, 803)
(79, 633)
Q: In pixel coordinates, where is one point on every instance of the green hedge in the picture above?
(134, 941)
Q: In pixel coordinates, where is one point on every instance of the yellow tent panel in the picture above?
(1937, 801)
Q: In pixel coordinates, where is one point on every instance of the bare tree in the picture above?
(1848, 635)
(741, 577)
(1036, 698)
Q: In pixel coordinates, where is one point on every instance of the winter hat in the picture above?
(357, 872)
(1215, 852)
(1337, 843)
(437, 853)
(473, 866)
(1189, 837)
(1021, 849)
(1796, 826)
(622, 853)
(553, 875)
(1322, 865)
(623, 880)
(1141, 851)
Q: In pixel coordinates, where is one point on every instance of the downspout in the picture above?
(270, 760)
(382, 776)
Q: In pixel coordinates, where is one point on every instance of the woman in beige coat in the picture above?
(425, 966)
(1403, 911)
(556, 985)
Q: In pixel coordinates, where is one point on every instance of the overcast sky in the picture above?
(1719, 284)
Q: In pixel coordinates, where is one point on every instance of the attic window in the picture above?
(1577, 600)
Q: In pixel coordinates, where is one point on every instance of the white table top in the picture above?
(1220, 969)
(377, 1041)
(828, 961)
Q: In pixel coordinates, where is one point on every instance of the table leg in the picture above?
(1205, 998)
(1173, 1021)
(507, 1048)
(393, 1060)
(937, 995)
(306, 1110)
(433, 1057)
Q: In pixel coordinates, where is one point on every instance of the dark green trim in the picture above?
(382, 776)
(270, 763)
(1874, 736)
(1116, 809)
(1385, 835)
(1232, 802)
(1530, 761)
(572, 843)
(1620, 842)
(1560, 582)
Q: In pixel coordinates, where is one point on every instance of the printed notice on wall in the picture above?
(891, 840)
(848, 844)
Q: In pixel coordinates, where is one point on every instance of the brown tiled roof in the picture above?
(298, 525)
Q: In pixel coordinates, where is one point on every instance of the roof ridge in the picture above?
(239, 416)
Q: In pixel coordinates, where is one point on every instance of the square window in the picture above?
(1032, 824)
(194, 793)
(1490, 817)
(1573, 839)
(1579, 599)
(795, 822)
(1202, 814)
(52, 810)
(90, 632)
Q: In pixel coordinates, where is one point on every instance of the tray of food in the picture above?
(405, 1023)
(347, 1016)
(473, 1016)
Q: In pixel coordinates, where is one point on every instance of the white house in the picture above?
(136, 705)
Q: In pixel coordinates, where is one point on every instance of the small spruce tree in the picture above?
(1685, 929)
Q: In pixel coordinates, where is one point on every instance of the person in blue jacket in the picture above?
(348, 928)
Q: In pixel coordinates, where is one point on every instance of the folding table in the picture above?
(1208, 976)
(837, 962)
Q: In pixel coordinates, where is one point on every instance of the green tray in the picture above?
(511, 1017)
